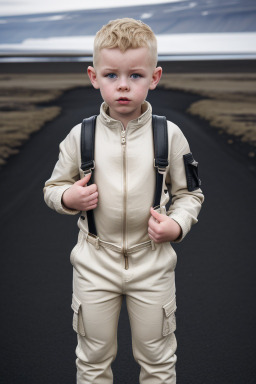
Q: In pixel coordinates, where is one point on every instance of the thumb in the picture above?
(82, 182)
(158, 216)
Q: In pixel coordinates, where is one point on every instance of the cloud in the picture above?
(25, 7)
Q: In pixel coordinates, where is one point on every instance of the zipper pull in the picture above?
(123, 138)
(126, 262)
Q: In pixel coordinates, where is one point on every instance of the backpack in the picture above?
(160, 137)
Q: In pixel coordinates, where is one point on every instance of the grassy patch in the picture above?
(16, 127)
(229, 102)
(22, 105)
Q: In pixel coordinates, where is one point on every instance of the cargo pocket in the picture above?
(191, 169)
(169, 322)
(78, 324)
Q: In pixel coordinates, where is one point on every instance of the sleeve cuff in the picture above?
(182, 223)
(59, 206)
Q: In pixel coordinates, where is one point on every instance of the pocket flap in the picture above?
(78, 324)
(169, 318)
(170, 307)
(75, 304)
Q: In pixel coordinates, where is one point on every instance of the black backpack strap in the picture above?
(87, 145)
(87, 159)
(160, 136)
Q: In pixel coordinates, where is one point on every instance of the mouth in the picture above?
(123, 100)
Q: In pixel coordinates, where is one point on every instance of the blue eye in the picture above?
(111, 75)
(135, 76)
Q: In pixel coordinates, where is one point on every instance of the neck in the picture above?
(125, 119)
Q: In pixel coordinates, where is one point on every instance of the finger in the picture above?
(93, 202)
(153, 224)
(93, 206)
(158, 216)
(92, 189)
(152, 237)
(82, 182)
(87, 197)
(93, 196)
(151, 232)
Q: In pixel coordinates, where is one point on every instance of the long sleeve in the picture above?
(186, 204)
(65, 173)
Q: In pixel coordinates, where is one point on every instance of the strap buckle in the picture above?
(161, 165)
(88, 167)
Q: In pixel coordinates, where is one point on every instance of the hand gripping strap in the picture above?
(87, 160)
(160, 136)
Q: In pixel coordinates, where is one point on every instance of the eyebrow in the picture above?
(135, 69)
(109, 69)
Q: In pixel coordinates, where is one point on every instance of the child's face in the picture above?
(124, 79)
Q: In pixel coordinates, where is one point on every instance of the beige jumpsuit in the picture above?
(123, 260)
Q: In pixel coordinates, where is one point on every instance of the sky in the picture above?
(22, 7)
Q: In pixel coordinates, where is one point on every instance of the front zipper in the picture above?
(123, 141)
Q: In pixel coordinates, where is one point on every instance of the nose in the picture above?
(123, 84)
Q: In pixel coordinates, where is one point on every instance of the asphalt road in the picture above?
(215, 275)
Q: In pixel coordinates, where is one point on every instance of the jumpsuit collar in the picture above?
(136, 123)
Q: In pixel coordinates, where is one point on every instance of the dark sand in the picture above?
(215, 273)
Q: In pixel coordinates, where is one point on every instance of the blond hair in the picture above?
(124, 34)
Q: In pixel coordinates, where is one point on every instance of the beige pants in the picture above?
(99, 282)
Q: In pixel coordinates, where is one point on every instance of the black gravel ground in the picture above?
(215, 274)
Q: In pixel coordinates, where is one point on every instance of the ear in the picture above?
(93, 77)
(156, 76)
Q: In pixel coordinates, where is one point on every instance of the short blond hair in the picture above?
(124, 34)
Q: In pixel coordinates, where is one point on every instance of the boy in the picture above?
(131, 254)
